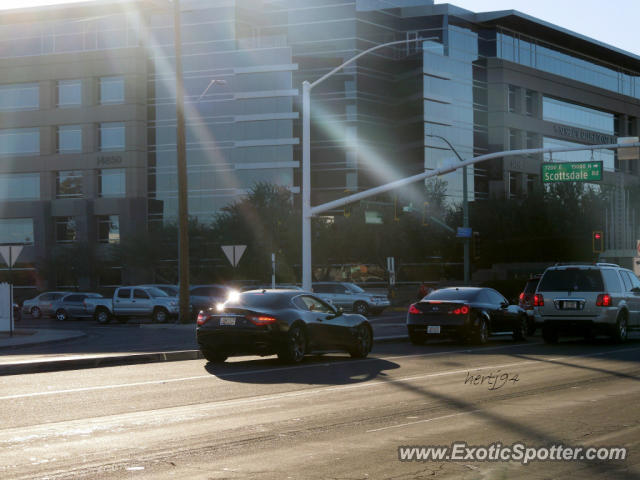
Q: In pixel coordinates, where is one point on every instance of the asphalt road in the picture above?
(330, 418)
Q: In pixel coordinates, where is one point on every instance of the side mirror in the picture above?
(337, 311)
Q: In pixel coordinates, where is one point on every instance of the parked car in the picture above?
(351, 297)
(279, 286)
(587, 300)
(72, 306)
(133, 302)
(525, 300)
(466, 313)
(42, 304)
(289, 323)
(203, 297)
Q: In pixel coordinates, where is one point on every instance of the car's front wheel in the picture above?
(160, 315)
(295, 346)
(61, 315)
(361, 308)
(363, 342)
(35, 312)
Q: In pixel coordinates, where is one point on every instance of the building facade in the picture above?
(88, 124)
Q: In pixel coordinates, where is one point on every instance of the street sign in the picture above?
(464, 232)
(10, 253)
(234, 253)
(572, 172)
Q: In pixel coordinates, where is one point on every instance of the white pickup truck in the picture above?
(133, 302)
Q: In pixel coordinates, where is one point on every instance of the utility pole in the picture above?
(181, 151)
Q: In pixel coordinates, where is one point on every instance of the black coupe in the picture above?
(289, 323)
(465, 313)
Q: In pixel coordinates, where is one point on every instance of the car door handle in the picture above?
(319, 319)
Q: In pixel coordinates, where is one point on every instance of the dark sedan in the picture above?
(289, 323)
(465, 313)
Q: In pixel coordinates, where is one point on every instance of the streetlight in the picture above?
(306, 155)
(465, 208)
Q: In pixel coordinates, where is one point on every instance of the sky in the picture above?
(614, 21)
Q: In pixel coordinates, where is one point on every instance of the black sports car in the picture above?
(289, 323)
(467, 313)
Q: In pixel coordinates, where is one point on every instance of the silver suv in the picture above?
(587, 300)
(351, 297)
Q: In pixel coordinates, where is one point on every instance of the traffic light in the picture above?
(597, 241)
(476, 245)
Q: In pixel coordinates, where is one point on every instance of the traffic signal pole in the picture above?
(448, 167)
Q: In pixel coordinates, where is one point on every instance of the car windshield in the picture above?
(256, 300)
(354, 288)
(571, 279)
(453, 294)
(156, 292)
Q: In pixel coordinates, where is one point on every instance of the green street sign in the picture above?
(572, 172)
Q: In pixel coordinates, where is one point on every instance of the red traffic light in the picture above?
(597, 236)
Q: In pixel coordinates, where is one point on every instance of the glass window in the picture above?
(111, 90)
(69, 184)
(314, 304)
(16, 230)
(108, 229)
(19, 186)
(20, 141)
(111, 136)
(124, 293)
(567, 113)
(65, 229)
(571, 279)
(137, 293)
(513, 98)
(69, 93)
(112, 183)
(468, 294)
(625, 279)
(69, 138)
(21, 96)
(514, 142)
(611, 280)
(530, 103)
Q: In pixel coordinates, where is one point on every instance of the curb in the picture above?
(41, 366)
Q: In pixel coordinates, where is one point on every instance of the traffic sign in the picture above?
(572, 172)
(10, 253)
(234, 253)
(464, 232)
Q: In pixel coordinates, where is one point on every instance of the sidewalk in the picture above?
(13, 363)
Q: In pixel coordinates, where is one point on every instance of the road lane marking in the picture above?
(422, 421)
(307, 392)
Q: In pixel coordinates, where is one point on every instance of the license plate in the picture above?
(227, 320)
(433, 329)
(570, 305)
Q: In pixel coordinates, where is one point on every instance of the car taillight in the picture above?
(202, 318)
(604, 300)
(261, 319)
(463, 310)
(414, 310)
(521, 297)
(538, 300)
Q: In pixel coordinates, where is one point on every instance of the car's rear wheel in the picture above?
(102, 316)
(417, 338)
(213, 356)
(521, 329)
(160, 315)
(35, 312)
(363, 342)
(481, 335)
(295, 346)
(361, 308)
(620, 330)
(549, 334)
(61, 315)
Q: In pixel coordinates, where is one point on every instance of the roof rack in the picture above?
(598, 264)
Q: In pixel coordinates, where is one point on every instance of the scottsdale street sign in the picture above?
(572, 172)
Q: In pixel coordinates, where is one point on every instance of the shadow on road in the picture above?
(314, 370)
